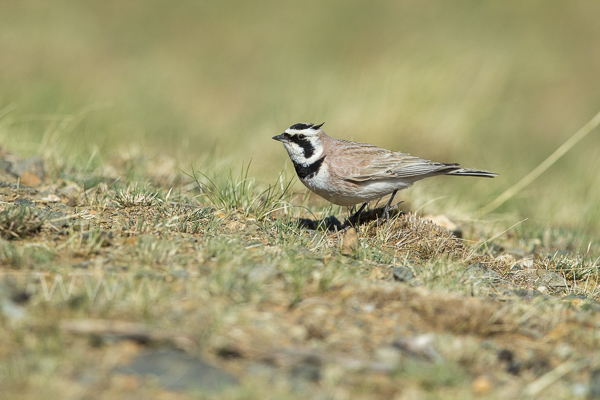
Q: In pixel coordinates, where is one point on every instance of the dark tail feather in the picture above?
(472, 172)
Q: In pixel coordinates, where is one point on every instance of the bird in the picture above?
(347, 173)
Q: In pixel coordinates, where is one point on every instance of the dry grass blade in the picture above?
(548, 162)
(536, 387)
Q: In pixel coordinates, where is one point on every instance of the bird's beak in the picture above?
(280, 138)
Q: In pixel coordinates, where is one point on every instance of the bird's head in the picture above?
(302, 142)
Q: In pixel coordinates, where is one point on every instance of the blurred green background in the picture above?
(494, 85)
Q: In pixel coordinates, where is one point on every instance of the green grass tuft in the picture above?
(18, 222)
(135, 196)
(230, 192)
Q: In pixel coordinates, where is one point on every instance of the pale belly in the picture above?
(347, 194)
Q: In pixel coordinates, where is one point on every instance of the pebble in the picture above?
(481, 385)
(177, 370)
(349, 242)
(70, 190)
(402, 274)
(9, 308)
(30, 179)
(24, 202)
(389, 355)
(34, 165)
(579, 390)
(420, 346)
(542, 289)
(550, 278)
(478, 271)
(594, 387)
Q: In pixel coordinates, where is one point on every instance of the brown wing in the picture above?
(359, 162)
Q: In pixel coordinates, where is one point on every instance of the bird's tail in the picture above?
(472, 172)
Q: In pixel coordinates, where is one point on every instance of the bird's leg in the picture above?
(386, 210)
(356, 215)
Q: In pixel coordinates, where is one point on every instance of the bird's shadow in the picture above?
(332, 224)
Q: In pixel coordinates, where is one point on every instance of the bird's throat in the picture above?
(307, 171)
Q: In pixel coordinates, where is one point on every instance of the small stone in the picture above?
(389, 355)
(70, 190)
(479, 272)
(349, 242)
(551, 279)
(33, 165)
(83, 265)
(402, 274)
(579, 390)
(542, 289)
(523, 264)
(24, 202)
(298, 332)
(481, 385)
(376, 274)
(219, 214)
(307, 371)
(9, 309)
(176, 370)
(420, 346)
(563, 351)
(56, 218)
(368, 308)
(30, 179)
(594, 389)
(51, 198)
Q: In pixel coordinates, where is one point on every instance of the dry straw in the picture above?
(516, 188)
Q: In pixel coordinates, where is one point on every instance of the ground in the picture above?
(106, 282)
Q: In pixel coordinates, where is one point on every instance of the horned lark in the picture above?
(347, 173)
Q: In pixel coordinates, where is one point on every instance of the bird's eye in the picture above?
(301, 136)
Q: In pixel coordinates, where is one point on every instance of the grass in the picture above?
(253, 289)
(19, 221)
(449, 83)
(243, 267)
(135, 196)
(231, 193)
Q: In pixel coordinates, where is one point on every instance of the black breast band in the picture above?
(308, 171)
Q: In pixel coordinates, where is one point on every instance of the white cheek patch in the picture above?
(317, 152)
(295, 152)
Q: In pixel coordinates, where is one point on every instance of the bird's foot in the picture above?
(386, 212)
(355, 218)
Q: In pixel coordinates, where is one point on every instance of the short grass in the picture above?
(257, 293)
(18, 221)
(180, 215)
(494, 86)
